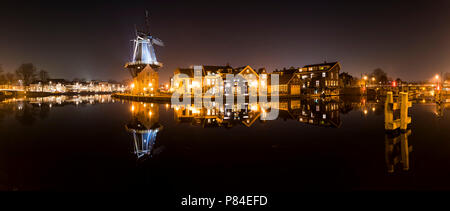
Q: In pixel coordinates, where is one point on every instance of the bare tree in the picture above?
(10, 77)
(26, 72)
(380, 75)
(2, 77)
(44, 76)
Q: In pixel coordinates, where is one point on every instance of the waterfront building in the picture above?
(51, 86)
(316, 79)
(63, 86)
(320, 78)
(212, 75)
(145, 82)
(288, 82)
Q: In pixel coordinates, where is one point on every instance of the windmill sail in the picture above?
(143, 49)
(157, 42)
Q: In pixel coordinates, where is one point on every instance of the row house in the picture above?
(315, 79)
(245, 79)
(62, 86)
(320, 79)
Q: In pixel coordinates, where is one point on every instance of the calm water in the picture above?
(97, 143)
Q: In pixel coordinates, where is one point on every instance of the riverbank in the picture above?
(47, 94)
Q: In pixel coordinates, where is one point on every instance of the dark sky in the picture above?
(91, 39)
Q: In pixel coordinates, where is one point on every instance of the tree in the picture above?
(380, 75)
(43, 76)
(347, 79)
(10, 78)
(447, 76)
(26, 72)
(111, 81)
(2, 77)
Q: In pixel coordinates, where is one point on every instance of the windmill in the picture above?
(143, 49)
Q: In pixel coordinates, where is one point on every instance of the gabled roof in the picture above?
(288, 71)
(218, 69)
(187, 71)
(283, 78)
(331, 64)
(240, 70)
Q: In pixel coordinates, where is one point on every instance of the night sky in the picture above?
(91, 39)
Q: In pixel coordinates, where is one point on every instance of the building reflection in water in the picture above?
(28, 110)
(319, 112)
(144, 128)
(397, 151)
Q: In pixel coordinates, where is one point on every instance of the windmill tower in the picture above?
(144, 65)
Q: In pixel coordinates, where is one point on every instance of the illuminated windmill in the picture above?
(143, 50)
(144, 65)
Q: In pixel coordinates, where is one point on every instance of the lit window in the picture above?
(324, 75)
(317, 83)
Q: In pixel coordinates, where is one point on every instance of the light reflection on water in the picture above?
(345, 135)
